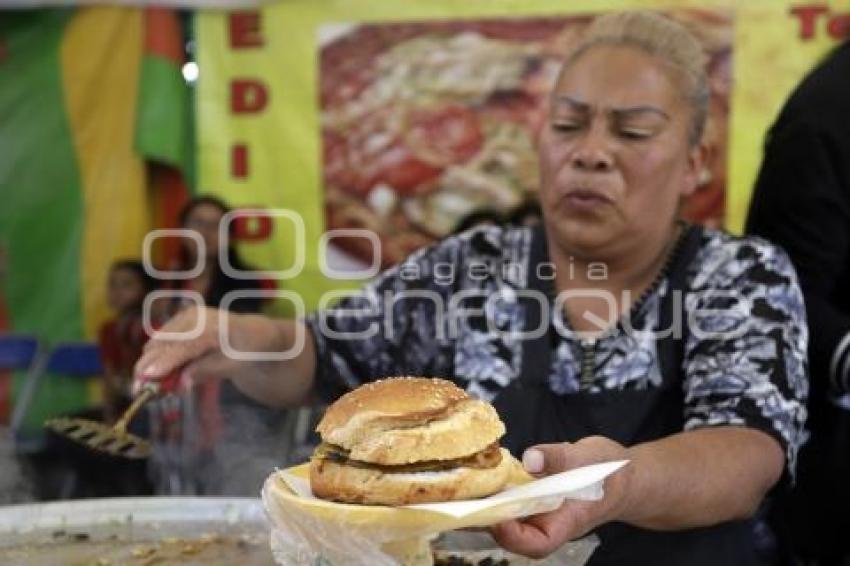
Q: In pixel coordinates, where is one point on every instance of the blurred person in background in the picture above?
(801, 201)
(233, 440)
(122, 338)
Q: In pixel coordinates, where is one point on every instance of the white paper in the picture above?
(545, 494)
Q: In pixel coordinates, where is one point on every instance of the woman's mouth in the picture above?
(586, 200)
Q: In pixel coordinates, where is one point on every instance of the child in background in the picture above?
(122, 339)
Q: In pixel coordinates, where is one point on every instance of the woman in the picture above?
(709, 415)
(232, 432)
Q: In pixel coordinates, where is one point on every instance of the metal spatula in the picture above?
(113, 439)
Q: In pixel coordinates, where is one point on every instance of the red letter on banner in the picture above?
(245, 30)
(239, 161)
(252, 228)
(808, 15)
(838, 26)
(247, 95)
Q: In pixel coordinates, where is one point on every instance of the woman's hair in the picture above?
(478, 217)
(221, 283)
(663, 38)
(528, 207)
(138, 269)
(201, 201)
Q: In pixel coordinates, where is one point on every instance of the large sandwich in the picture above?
(409, 440)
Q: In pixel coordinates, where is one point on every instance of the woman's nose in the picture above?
(591, 153)
(592, 159)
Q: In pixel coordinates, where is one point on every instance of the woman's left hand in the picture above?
(540, 535)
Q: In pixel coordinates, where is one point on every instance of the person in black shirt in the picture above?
(801, 201)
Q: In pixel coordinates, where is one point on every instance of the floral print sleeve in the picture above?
(391, 327)
(745, 358)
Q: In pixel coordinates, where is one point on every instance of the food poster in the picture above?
(399, 119)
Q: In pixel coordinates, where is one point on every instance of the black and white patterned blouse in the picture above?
(744, 360)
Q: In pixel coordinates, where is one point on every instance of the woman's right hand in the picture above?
(201, 356)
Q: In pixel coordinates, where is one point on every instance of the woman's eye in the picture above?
(565, 126)
(633, 134)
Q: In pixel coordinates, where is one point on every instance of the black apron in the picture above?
(535, 415)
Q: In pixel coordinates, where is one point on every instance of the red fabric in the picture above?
(121, 342)
(163, 36)
(268, 284)
(170, 196)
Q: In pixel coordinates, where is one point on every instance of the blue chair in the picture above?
(17, 352)
(68, 358)
(75, 358)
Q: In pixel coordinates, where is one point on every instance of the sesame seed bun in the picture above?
(409, 440)
(406, 420)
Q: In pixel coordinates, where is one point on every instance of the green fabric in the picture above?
(41, 216)
(163, 122)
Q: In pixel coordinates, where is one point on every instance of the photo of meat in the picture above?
(425, 122)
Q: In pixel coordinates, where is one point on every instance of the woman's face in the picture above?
(614, 155)
(205, 219)
(126, 290)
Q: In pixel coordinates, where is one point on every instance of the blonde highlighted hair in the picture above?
(663, 38)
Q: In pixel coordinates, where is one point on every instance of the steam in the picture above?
(14, 486)
(254, 440)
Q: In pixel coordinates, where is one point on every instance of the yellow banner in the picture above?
(330, 108)
(100, 101)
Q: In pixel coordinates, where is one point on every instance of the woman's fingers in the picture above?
(540, 535)
(167, 351)
(157, 362)
(547, 459)
(521, 538)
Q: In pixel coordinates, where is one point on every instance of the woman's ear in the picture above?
(698, 159)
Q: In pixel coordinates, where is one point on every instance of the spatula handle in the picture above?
(149, 391)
